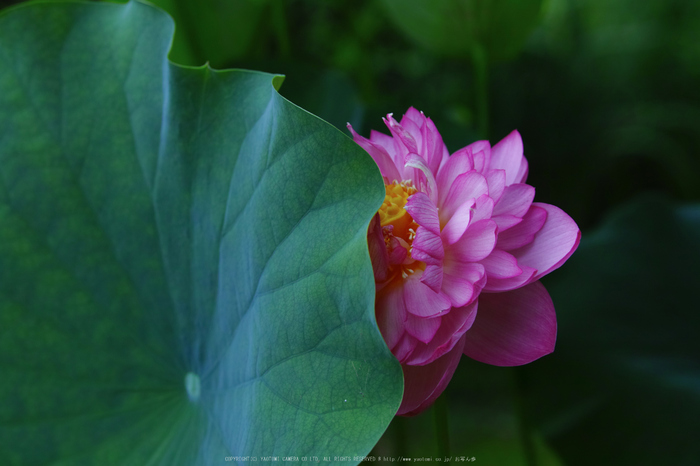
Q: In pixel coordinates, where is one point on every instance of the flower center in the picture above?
(392, 211)
(398, 228)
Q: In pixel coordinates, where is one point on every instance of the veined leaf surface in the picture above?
(184, 273)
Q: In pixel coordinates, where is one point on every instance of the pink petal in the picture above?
(472, 271)
(414, 115)
(483, 208)
(433, 147)
(500, 264)
(400, 134)
(413, 126)
(459, 163)
(423, 211)
(479, 158)
(390, 311)
(386, 164)
(459, 289)
(462, 282)
(398, 253)
(476, 243)
(470, 185)
(494, 284)
(413, 123)
(422, 329)
(407, 258)
(521, 177)
(508, 155)
(377, 250)
(427, 247)
(524, 232)
(404, 348)
(496, 180)
(385, 142)
(420, 300)
(505, 222)
(432, 277)
(516, 200)
(553, 244)
(445, 157)
(452, 327)
(414, 131)
(458, 224)
(513, 328)
(423, 384)
(481, 151)
(417, 162)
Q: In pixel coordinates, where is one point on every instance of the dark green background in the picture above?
(606, 97)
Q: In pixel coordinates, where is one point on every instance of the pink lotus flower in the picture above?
(457, 249)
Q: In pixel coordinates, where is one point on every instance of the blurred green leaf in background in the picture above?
(184, 273)
(604, 93)
(214, 31)
(455, 27)
(624, 384)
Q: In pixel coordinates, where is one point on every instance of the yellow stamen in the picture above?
(392, 211)
(397, 223)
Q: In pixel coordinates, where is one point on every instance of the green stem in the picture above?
(442, 429)
(481, 68)
(524, 427)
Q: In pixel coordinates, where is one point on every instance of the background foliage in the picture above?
(605, 95)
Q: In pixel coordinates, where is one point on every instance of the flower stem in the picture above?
(442, 429)
(481, 68)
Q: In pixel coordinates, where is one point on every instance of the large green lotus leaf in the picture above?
(456, 27)
(184, 274)
(623, 386)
